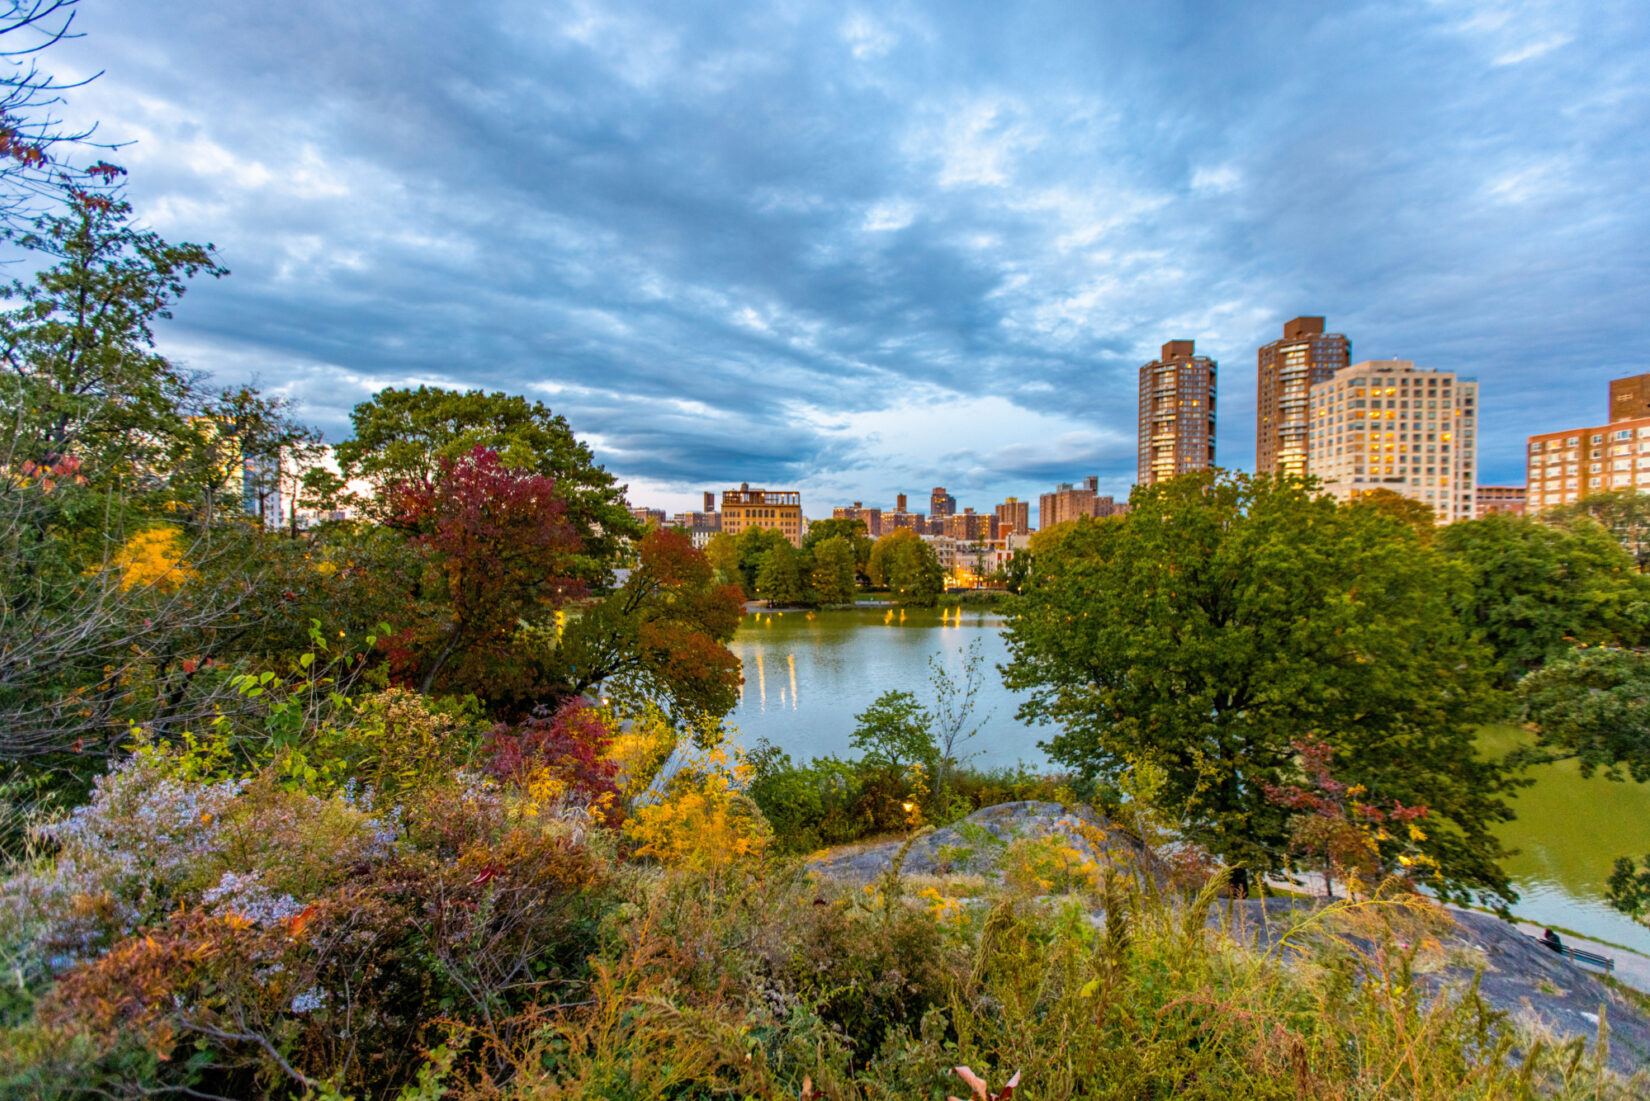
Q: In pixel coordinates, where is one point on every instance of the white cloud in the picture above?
(1218, 178)
(889, 215)
(866, 37)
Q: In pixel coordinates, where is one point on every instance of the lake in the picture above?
(808, 674)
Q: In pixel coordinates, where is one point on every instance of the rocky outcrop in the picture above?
(1539, 990)
(973, 845)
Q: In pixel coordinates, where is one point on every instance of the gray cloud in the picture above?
(719, 237)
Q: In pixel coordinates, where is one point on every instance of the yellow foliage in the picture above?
(703, 820)
(640, 748)
(942, 908)
(152, 557)
(1050, 864)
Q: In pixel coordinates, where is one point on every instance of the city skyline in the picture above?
(843, 250)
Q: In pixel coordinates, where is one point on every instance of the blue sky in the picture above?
(864, 250)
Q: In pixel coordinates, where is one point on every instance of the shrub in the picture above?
(560, 752)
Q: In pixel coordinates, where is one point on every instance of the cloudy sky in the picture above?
(863, 250)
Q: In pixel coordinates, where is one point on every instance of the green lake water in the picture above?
(806, 676)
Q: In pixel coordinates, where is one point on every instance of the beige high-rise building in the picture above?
(1177, 414)
(1382, 424)
(1287, 370)
(1568, 465)
(762, 508)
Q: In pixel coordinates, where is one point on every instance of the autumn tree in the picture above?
(499, 549)
(35, 146)
(660, 637)
(1224, 619)
(96, 417)
(404, 435)
(1406, 510)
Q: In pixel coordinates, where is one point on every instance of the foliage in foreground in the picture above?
(256, 934)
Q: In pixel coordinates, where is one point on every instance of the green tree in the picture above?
(894, 732)
(1628, 889)
(752, 546)
(854, 531)
(833, 571)
(722, 551)
(403, 435)
(779, 577)
(913, 573)
(1224, 619)
(876, 563)
(1624, 513)
(1592, 704)
(82, 374)
(1533, 591)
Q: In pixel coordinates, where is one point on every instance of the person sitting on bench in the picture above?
(1550, 939)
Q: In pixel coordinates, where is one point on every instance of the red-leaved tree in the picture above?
(498, 546)
(1335, 831)
(661, 635)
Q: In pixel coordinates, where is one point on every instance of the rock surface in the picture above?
(971, 847)
(1535, 987)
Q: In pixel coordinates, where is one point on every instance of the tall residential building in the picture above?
(762, 508)
(1568, 465)
(1177, 414)
(1013, 515)
(900, 518)
(1382, 424)
(1287, 371)
(1068, 502)
(940, 505)
(971, 527)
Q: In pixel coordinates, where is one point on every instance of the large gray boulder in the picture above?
(974, 845)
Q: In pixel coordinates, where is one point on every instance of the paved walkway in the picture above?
(1632, 969)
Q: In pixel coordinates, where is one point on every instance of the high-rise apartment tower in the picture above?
(1382, 424)
(1567, 465)
(1287, 371)
(941, 504)
(1177, 413)
(1013, 515)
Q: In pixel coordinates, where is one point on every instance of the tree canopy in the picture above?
(1534, 590)
(1225, 619)
(403, 435)
(1592, 704)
